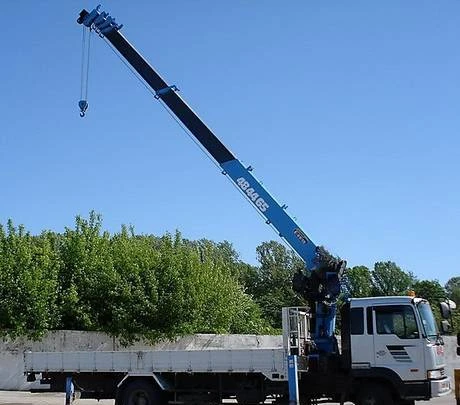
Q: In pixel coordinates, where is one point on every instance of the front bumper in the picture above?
(439, 388)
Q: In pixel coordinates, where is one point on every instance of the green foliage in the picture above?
(385, 279)
(271, 285)
(453, 292)
(132, 285)
(125, 284)
(28, 281)
(86, 278)
(359, 282)
(431, 290)
(456, 321)
(389, 279)
(452, 284)
(453, 289)
(455, 296)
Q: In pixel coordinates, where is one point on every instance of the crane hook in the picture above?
(83, 104)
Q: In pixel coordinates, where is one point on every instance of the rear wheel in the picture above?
(250, 391)
(374, 394)
(140, 392)
(250, 397)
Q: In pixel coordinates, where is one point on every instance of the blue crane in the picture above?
(320, 283)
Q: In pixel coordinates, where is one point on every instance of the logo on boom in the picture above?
(259, 202)
(301, 236)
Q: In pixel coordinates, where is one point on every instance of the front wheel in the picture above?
(140, 393)
(374, 394)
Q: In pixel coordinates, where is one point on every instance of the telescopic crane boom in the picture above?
(320, 284)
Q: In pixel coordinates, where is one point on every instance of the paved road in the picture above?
(26, 398)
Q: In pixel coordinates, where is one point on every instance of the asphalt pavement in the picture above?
(26, 398)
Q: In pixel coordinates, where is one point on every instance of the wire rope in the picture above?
(84, 79)
(82, 73)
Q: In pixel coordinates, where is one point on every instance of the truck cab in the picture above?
(395, 339)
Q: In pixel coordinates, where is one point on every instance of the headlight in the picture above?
(435, 374)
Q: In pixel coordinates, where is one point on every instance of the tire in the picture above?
(140, 392)
(250, 398)
(250, 391)
(374, 394)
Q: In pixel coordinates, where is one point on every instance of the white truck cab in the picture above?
(396, 339)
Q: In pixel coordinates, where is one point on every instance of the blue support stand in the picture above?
(293, 380)
(69, 391)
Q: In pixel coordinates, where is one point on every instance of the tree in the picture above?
(453, 290)
(389, 279)
(133, 303)
(88, 281)
(272, 289)
(431, 290)
(28, 282)
(455, 296)
(127, 284)
(199, 294)
(359, 282)
(452, 283)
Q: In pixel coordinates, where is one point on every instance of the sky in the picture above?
(348, 112)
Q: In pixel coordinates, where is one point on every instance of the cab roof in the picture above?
(403, 299)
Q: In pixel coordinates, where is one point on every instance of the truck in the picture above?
(390, 350)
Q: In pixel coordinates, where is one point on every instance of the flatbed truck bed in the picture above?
(272, 363)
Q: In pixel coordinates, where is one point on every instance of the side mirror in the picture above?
(445, 327)
(458, 338)
(458, 351)
(446, 308)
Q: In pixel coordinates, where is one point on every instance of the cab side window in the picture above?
(357, 321)
(398, 320)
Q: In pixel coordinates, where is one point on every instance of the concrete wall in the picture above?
(11, 351)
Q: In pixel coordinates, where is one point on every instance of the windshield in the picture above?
(428, 321)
